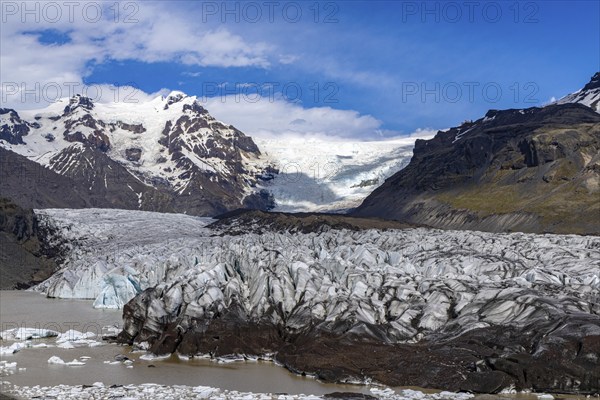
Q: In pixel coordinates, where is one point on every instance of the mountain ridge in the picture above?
(168, 154)
(531, 170)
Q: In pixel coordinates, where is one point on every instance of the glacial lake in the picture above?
(33, 310)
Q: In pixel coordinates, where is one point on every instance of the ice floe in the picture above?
(22, 333)
(13, 348)
(59, 361)
(155, 391)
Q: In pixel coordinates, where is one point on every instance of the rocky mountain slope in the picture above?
(455, 310)
(167, 154)
(25, 259)
(530, 170)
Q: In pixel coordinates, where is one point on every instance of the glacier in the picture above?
(325, 174)
(455, 310)
(407, 282)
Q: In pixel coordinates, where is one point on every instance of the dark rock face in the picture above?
(220, 188)
(594, 83)
(172, 99)
(78, 101)
(12, 127)
(107, 183)
(195, 108)
(531, 170)
(25, 258)
(97, 139)
(133, 154)
(135, 128)
(31, 185)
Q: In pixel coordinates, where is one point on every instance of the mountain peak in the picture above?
(589, 95)
(594, 83)
(176, 93)
(78, 101)
(174, 97)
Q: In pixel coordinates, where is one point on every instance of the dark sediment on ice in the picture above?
(559, 356)
(243, 221)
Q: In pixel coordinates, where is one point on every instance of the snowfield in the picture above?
(405, 283)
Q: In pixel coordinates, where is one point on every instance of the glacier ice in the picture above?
(12, 349)
(407, 282)
(116, 290)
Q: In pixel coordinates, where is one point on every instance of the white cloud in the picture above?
(192, 74)
(288, 58)
(275, 117)
(161, 34)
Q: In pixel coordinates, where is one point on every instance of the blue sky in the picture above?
(404, 65)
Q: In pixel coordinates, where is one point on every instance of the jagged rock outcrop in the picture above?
(589, 95)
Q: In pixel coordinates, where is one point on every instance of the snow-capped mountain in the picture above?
(169, 154)
(589, 95)
(166, 154)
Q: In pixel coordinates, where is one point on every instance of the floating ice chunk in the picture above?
(204, 391)
(72, 335)
(152, 357)
(27, 333)
(109, 330)
(75, 363)
(12, 349)
(56, 360)
(41, 346)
